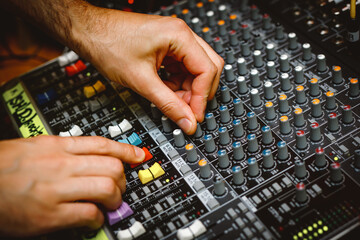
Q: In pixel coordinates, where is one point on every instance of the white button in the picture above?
(197, 228)
(137, 229)
(184, 234)
(124, 235)
(125, 125)
(76, 131)
(64, 134)
(114, 131)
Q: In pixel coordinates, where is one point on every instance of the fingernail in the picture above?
(184, 124)
(140, 154)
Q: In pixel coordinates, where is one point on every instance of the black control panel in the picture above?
(278, 154)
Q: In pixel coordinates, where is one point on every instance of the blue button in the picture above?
(236, 121)
(281, 144)
(236, 144)
(251, 136)
(222, 152)
(250, 114)
(207, 137)
(134, 139)
(251, 160)
(223, 108)
(266, 152)
(236, 100)
(123, 141)
(222, 129)
(47, 96)
(223, 88)
(209, 115)
(265, 128)
(236, 168)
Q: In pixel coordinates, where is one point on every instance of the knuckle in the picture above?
(179, 24)
(109, 188)
(168, 107)
(117, 166)
(102, 142)
(91, 213)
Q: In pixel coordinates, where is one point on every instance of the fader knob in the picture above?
(269, 90)
(330, 101)
(300, 194)
(293, 43)
(337, 75)
(212, 104)
(209, 143)
(238, 128)
(316, 110)
(166, 124)
(229, 73)
(178, 138)
(252, 121)
(306, 51)
(238, 107)
(206, 32)
(205, 171)
(347, 116)
(284, 125)
(241, 66)
(191, 153)
(299, 75)
(224, 114)
(300, 169)
(219, 185)
(258, 61)
(224, 137)
(320, 160)
(268, 160)
(270, 52)
(299, 120)
(354, 87)
(254, 78)
(267, 137)
(255, 98)
(198, 132)
(284, 63)
(285, 82)
(224, 161)
(321, 63)
(266, 21)
(300, 97)
(357, 159)
(333, 122)
(269, 111)
(335, 172)
(271, 70)
(315, 132)
(225, 94)
(238, 176)
(238, 151)
(253, 167)
(301, 142)
(254, 13)
(210, 121)
(253, 145)
(230, 59)
(314, 87)
(283, 153)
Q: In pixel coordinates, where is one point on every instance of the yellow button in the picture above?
(314, 80)
(300, 88)
(283, 97)
(156, 170)
(145, 176)
(329, 94)
(298, 110)
(89, 91)
(205, 29)
(283, 118)
(189, 146)
(337, 68)
(99, 86)
(269, 104)
(315, 101)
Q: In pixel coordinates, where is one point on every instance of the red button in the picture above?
(75, 68)
(148, 156)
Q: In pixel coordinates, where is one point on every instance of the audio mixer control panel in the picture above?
(277, 156)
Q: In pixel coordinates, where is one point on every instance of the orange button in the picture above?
(300, 88)
(329, 93)
(185, 11)
(202, 162)
(283, 97)
(199, 4)
(174, 15)
(315, 101)
(233, 16)
(353, 80)
(314, 80)
(221, 22)
(205, 29)
(337, 68)
(283, 118)
(189, 146)
(269, 104)
(298, 110)
(148, 156)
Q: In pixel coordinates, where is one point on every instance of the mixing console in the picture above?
(277, 156)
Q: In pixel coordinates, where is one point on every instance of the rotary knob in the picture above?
(224, 161)
(238, 176)
(204, 167)
(238, 151)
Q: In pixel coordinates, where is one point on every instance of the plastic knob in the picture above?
(253, 167)
(225, 94)
(301, 142)
(314, 87)
(255, 98)
(285, 82)
(242, 85)
(253, 145)
(335, 172)
(254, 78)
(267, 137)
(210, 121)
(283, 153)
(299, 75)
(258, 61)
(337, 75)
(320, 160)
(293, 43)
(300, 97)
(238, 128)
(237, 175)
(229, 73)
(224, 137)
(191, 153)
(166, 124)
(316, 110)
(212, 104)
(205, 171)
(209, 143)
(241, 66)
(284, 63)
(333, 122)
(306, 48)
(238, 107)
(347, 116)
(269, 91)
(299, 120)
(285, 125)
(219, 185)
(238, 151)
(321, 63)
(269, 111)
(271, 70)
(268, 159)
(283, 104)
(230, 59)
(224, 114)
(300, 193)
(315, 132)
(179, 138)
(252, 121)
(224, 161)
(270, 52)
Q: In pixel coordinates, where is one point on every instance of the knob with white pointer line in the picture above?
(335, 173)
(219, 185)
(253, 167)
(224, 161)
(205, 171)
(320, 160)
(238, 176)
(300, 193)
(191, 154)
(268, 160)
(347, 116)
(179, 138)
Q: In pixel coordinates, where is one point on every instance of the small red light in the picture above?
(131, 1)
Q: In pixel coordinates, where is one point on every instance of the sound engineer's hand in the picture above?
(49, 183)
(129, 48)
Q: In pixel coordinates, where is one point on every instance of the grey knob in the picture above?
(238, 128)
(166, 124)
(177, 9)
(354, 87)
(179, 138)
(254, 78)
(253, 167)
(210, 16)
(204, 167)
(333, 122)
(238, 151)
(271, 70)
(192, 4)
(206, 34)
(253, 145)
(299, 120)
(267, 137)
(337, 75)
(165, 11)
(224, 114)
(258, 42)
(245, 49)
(269, 90)
(315, 132)
(266, 22)
(201, 10)
(283, 153)
(254, 13)
(285, 82)
(299, 75)
(316, 110)
(330, 103)
(246, 35)
(243, 5)
(268, 159)
(347, 116)
(241, 66)
(301, 142)
(209, 143)
(300, 193)
(234, 22)
(284, 63)
(300, 97)
(224, 161)
(224, 137)
(293, 43)
(238, 107)
(314, 87)
(321, 63)
(219, 185)
(306, 47)
(229, 73)
(255, 98)
(252, 121)
(283, 104)
(279, 32)
(196, 25)
(238, 176)
(223, 12)
(270, 52)
(155, 112)
(269, 111)
(284, 125)
(357, 159)
(234, 41)
(225, 94)
(212, 104)
(230, 58)
(210, 121)
(198, 132)
(218, 45)
(258, 61)
(320, 160)
(191, 153)
(335, 172)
